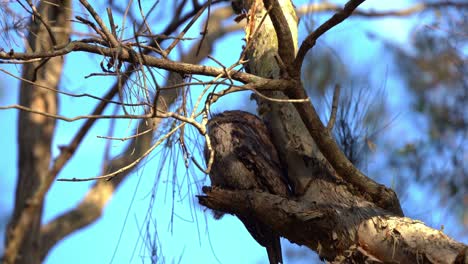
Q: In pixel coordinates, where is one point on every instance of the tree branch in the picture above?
(282, 28)
(179, 67)
(334, 108)
(91, 206)
(416, 8)
(35, 133)
(382, 196)
(309, 42)
(338, 232)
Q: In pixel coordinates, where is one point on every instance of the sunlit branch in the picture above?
(126, 138)
(122, 54)
(283, 33)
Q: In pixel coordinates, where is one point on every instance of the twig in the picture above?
(109, 37)
(37, 85)
(95, 28)
(127, 138)
(72, 119)
(419, 7)
(187, 27)
(205, 30)
(248, 87)
(336, 97)
(109, 176)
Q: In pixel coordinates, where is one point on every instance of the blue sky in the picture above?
(191, 234)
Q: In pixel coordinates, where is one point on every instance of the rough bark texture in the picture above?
(339, 233)
(330, 212)
(289, 133)
(334, 214)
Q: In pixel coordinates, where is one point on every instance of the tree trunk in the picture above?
(35, 132)
(333, 213)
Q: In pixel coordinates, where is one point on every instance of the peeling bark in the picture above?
(337, 211)
(341, 233)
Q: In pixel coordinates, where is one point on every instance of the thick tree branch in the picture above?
(179, 67)
(344, 233)
(379, 194)
(282, 28)
(35, 133)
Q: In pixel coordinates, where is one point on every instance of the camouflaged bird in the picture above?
(246, 159)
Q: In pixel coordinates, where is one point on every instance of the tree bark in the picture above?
(50, 27)
(337, 211)
(342, 233)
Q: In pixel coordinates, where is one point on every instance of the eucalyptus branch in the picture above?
(379, 194)
(309, 42)
(283, 33)
(180, 67)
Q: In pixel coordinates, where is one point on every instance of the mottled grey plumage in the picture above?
(245, 158)
(241, 6)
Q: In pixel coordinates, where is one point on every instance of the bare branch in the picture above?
(379, 194)
(180, 67)
(283, 32)
(354, 231)
(90, 208)
(416, 8)
(309, 42)
(336, 97)
(72, 119)
(132, 165)
(109, 37)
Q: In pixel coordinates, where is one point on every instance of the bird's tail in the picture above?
(274, 251)
(266, 237)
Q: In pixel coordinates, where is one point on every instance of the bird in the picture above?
(246, 159)
(241, 6)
